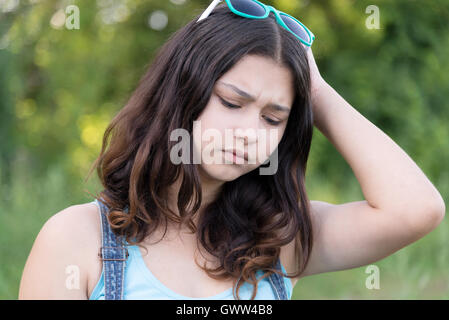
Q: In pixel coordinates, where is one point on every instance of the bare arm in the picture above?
(401, 204)
(389, 178)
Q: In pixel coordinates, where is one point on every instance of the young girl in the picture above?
(227, 229)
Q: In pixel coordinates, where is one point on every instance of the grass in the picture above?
(25, 205)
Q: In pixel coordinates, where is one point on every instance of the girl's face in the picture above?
(255, 96)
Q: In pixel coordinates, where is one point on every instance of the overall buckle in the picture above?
(100, 254)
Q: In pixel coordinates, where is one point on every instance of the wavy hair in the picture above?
(253, 215)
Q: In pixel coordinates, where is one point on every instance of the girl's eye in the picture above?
(233, 106)
(273, 122)
(229, 105)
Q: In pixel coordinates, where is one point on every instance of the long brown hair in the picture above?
(253, 215)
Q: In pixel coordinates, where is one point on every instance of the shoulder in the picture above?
(80, 223)
(63, 255)
(77, 227)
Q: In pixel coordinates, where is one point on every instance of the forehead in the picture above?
(261, 77)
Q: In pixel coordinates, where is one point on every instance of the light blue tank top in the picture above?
(141, 284)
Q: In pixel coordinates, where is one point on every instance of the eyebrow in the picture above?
(249, 97)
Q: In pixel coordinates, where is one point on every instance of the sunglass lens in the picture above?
(249, 7)
(296, 28)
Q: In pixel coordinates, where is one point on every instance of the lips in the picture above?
(238, 153)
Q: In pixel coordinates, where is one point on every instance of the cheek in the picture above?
(208, 136)
(260, 152)
(269, 141)
(213, 121)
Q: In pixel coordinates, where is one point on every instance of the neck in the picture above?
(210, 189)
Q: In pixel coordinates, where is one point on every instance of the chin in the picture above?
(222, 172)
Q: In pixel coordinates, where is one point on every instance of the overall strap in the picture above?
(114, 255)
(278, 284)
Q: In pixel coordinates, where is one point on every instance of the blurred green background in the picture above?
(59, 88)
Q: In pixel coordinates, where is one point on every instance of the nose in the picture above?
(248, 136)
(247, 132)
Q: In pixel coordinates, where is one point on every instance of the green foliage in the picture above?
(59, 89)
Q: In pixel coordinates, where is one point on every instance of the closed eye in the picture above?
(271, 121)
(229, 105)
(233, 106)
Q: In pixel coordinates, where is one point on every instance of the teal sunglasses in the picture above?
(254, 9)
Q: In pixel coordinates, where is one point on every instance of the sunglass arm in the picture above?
(209, 9)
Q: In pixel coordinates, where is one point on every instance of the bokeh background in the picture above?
(59, 88)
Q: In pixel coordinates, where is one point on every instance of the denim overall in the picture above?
(114, 254)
